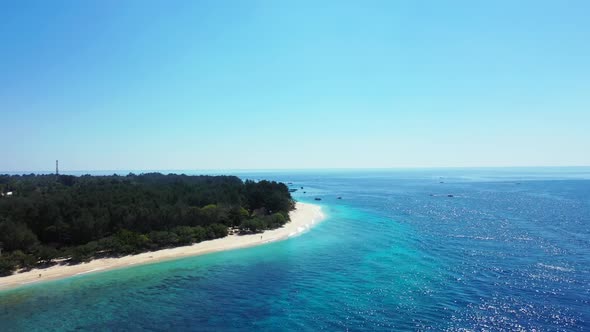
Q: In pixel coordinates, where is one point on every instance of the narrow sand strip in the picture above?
(302, 218)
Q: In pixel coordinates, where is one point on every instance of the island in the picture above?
(58, 226)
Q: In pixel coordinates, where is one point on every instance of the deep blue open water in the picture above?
(510, 251)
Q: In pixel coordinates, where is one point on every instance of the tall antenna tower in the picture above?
(57, 168)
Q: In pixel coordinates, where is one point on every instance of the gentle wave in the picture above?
(555, 267)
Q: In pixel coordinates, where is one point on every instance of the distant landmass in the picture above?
(45, 219)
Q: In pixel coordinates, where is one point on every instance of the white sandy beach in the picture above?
(302, 219)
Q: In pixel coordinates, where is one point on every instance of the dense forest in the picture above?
(47, 218)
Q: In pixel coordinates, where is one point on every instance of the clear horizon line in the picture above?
(291, 169)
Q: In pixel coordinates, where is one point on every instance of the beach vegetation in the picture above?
(78, 218)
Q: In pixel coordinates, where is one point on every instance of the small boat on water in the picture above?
(318, 199)
(449, 195)
(339, 197)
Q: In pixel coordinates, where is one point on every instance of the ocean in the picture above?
(403, 250)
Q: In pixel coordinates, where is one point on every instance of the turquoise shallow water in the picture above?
(510, 251)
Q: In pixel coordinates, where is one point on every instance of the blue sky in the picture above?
(293, 84)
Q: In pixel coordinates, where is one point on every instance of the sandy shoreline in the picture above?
(302, 218)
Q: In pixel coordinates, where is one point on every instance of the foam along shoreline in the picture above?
(302, 219)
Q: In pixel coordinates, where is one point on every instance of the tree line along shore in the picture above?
(51, 219)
